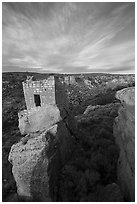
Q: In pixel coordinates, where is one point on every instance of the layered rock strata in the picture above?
(124, 132)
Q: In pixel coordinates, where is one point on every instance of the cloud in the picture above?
(63, 37)
(115, 56)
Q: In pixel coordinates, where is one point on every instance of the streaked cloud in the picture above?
(69, 37)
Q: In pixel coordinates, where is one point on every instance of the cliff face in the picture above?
(124, 132)
(30, 165)
(38, 157)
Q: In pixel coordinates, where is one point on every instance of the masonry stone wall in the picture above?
(60, 92)
(70, 80)
(44, 88)
(67, 80)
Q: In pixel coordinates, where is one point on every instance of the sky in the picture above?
(68, 37)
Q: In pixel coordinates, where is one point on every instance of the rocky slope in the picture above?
(94, 89)
(124, 132)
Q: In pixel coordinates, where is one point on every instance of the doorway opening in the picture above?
(37, 100)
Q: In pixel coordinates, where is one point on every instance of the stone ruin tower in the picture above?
(43, 92)
(41, 98)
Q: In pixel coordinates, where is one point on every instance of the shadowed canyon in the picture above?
(74, 143)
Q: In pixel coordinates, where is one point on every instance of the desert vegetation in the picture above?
(92, 167)
(93, 164)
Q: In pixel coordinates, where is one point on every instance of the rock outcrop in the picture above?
(30, 165)
(38, 157)
(124, 132)
(39, 118)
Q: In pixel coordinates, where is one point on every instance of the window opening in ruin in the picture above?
(37, 99)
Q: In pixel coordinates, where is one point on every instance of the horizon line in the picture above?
(66, 72)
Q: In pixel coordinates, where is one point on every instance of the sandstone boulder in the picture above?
(24, 125)
(30, 165)
(41, 118)
(37, 160)
(44, 117)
